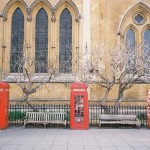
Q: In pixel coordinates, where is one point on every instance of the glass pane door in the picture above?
(79, 108)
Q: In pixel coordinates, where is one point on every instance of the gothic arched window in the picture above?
(41, 42)
(147, 51)
(147, 36)
(17, 42)
(65, 40)
(130, 38)
(130, 44)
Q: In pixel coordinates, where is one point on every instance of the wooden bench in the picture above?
(45, 118)
(119, 119)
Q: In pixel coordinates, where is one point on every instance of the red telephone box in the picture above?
(148, 107)
(4, 104)
(79, 106)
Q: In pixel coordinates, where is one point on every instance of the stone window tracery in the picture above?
(42, 31)
(139, 19)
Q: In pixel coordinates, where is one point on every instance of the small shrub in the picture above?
(16, 115)
(142, 116)
(68, 117)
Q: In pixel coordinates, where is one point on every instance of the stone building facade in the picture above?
(92, 22)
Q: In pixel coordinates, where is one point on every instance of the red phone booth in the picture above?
(148, 107)
(79, 106)
(4, 104)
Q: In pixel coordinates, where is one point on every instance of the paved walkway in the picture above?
(19, 138)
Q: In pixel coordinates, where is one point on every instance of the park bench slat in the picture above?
(119, 119)
(45, 118)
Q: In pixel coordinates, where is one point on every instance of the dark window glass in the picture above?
(130, 45)
(65, 40)
(17, 42)
(147, 51)
(41, 42)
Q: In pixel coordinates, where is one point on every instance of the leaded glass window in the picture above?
(130, 45)
(41, 42)
(17, 42)
(147, 36)
(130, 39)
(147, 51)
(65, 40)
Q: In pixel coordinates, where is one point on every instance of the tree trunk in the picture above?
(29, 104)
(105, 97)
(104, 100)
(119, 99)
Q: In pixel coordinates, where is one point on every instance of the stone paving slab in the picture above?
(20, 138)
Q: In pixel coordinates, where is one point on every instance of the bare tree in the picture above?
(134, 69)
(31, 73)
(95, 69)
(120, 65)
(105, 66)
(146, 62)
(129, 69)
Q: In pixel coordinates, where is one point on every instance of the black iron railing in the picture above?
(95, 111)
(17, 112)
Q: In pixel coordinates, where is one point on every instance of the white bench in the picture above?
(45, 118)
(119, 119)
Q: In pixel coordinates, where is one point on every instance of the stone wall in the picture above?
(102, 22)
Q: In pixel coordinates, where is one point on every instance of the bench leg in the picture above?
(25, 124)
(65, 123)
(44, 125)
(138, 125)
(99, 123)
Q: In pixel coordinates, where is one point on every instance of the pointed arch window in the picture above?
(147, 51)
(147, 36)
(65, 40)
(17, 42)
(130, 44)
(130, 38)
(41, 41)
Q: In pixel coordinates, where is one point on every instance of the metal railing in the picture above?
(95, 111)
(17, 112)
